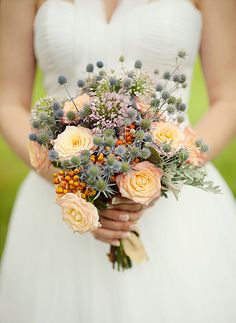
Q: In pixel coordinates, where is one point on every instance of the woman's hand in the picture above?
(118, 220)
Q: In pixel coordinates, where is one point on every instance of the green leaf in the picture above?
(155, 157)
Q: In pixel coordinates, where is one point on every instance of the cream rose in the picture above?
(72, 141)
(164, 132)
(142, 184)
(38, 155)
(80, 215)
(195, 156)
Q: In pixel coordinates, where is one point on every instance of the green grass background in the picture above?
(13, 171)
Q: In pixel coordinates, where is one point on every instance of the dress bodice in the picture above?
(69, 35)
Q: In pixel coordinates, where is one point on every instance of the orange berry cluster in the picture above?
(97, 159)
(129, 137)
(69, 182)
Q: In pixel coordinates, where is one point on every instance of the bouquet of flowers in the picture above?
(122, 134)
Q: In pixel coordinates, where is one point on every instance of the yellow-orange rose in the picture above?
(142, 184)
(72, 141)
(38, 155)
(164, 132)
(195, 156)
(80, 215)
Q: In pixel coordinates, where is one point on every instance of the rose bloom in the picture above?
(141, 105)
(80, 215)
(38, 155)
(164, 132)
(142, 184)
(195, 156)
(79, 101)
(72, 141)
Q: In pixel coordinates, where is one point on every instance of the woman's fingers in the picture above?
(117, 215)
(111, 235)
(134, 207)
(116, 225)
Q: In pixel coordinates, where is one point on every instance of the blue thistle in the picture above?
(111, 160)
(166, 148)
(148, 137)
(134, 152)
(165, 95)
(117, 166)
(98, 141)
(112, 81)
(80, 83)
(56, 106)
(120, 150)
(159, 87)
(127, 82)
(52, 154)
(71, 115)
(170, 109)
(182, 107)
(59, 113)
(140, 134)
(182, 54)
(155, 103)
(121, 59)
(100, 64)
(62, 79)
(109, 141)
(43, 116)
(183, 155)
(166, 75)
(35, 123)
(125, 167)
(94, 171)
(109, 132)
(145, 153)
(138, 64)
(145, 124)
(75, 160)
(180, 119)
(90, 68)
(101, 185)
(43, 138)
(32, 137)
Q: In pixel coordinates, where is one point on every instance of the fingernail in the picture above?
(133, 227)
(116, 243)
(125, 235)
(110, 206)
(124, 217)
(116, 200)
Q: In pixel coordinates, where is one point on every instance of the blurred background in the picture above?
(13, 171)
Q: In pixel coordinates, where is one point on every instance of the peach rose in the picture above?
(79, 101)
(72, 141)
(164, 132)
(195, 156)
(142, 106)
(38, 156)
(142, 184)
(80, 215)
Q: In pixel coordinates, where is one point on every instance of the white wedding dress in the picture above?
(50, 275)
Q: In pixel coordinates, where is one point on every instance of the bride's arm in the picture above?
(17, 71)
(218, 50)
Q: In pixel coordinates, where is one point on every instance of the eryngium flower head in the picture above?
(52, 154)
(62, 79)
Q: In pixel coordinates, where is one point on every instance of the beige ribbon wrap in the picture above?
(133, 246)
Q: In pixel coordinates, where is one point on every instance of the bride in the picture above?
(48, 274)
